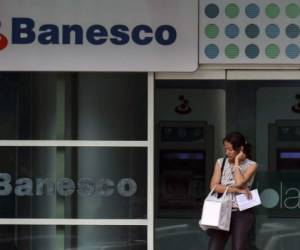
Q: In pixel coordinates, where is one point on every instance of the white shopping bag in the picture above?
(216, 212)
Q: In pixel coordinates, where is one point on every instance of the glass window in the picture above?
(73, 237)
(73, 106)
(70, 182)
(267, 113)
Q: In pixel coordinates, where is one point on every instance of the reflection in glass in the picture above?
(179, 234)
(77, 106)
(181, 182)
(73, 237)
(277, 233)
(83, 182)
(288, 159)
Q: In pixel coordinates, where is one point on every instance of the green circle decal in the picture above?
(269, 198)
(211, 31)
(232, 51)
(292, 10)
(272, 51)
(272, 10)
(232, 10)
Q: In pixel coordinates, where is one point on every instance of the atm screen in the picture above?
(289, 155)
(182, 134)
(181, 180)
(288, 159)
(183, 156)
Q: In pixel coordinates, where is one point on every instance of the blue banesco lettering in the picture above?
(24, 32)
(165, 35)
(120, 34)
(68, 30)
(49, 35)
(96, 34)
(140, 39)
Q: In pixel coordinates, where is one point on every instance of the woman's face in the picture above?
(229, 151)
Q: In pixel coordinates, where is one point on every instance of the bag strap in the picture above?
(222, 168)
(211, 191)
(223, 164)
(224, 193)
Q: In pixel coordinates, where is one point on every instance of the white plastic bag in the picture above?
(216, 212)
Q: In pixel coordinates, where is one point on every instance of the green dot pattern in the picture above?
(211, 31)
(272, 10)
(235, 33)
(232, 10)
(272, 51)
(292, 10)
(232, 51)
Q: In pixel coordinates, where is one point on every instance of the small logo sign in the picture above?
(184, 107)
(296, 107)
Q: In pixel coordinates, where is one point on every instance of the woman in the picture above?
(238, 173)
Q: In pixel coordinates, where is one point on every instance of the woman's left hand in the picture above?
(240, 157)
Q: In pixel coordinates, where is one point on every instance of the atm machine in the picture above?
(184, 165)
(284, 145)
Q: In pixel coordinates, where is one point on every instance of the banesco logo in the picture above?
(104, 187)
(3, 40)
(26, 31)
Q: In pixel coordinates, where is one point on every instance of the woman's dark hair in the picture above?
(237, 140)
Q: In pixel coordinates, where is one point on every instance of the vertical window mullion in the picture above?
(150, 167)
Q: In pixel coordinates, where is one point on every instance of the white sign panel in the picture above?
(98, 35)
